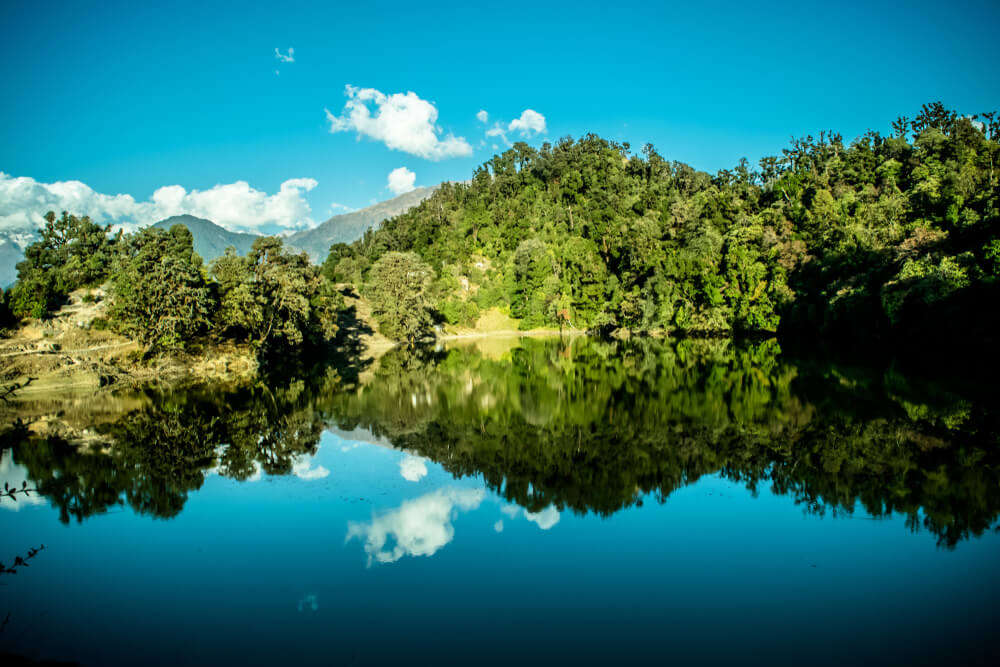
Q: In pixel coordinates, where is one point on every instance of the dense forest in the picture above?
(884, 237)
(890, 237)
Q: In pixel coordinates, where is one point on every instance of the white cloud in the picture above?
(335, 207)
(303, 470)
(418, 527)
(285, 57)
(498, 526)
(531, 122)
(482, 116)
(497, 131)
(401, 180)
(413, 468)
(402, 121)
(545, 519)
(235, 206)
(511, 510)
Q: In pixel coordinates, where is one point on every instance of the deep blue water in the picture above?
(368, 554)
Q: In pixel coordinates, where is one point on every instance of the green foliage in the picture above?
(884, 236)
(72, 253)
(275, 299)
(397, 288)
(159, 294)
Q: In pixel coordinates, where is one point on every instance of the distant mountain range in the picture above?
(10, 255)
(350, 227)
(211, 240)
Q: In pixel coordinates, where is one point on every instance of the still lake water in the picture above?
(533, 501)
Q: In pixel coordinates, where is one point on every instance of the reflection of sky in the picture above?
(418, 527)
(413, 468)
(15, 475)
(662, 577)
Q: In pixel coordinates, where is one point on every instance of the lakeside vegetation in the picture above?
(886, 238)
(162, 295)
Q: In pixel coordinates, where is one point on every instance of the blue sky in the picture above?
(128, 99)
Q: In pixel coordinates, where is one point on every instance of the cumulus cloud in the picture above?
(413, 468)
(531, 122)
(285, 57)
(482, 116)
(419, 527)
(498, 526)
(402, 121)
(401, 180)
(235, 206)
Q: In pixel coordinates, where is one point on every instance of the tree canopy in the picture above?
(888, 235)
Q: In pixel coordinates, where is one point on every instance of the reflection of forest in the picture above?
(584, 425)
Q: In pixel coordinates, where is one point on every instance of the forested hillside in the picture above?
(882, 236)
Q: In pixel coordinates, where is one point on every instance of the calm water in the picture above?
(514, 502)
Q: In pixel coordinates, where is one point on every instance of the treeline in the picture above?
(162, 295)
(886, 236)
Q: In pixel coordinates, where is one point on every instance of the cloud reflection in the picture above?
(418, 527)
(545, 519)
(413, 468)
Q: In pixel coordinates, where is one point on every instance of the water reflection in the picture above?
(418, 527)
(554, 426)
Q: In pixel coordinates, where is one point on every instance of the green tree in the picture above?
(275, 299)
(72, 252)
(397, 288)
(159, 294)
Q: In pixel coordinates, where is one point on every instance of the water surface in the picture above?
(530, 501)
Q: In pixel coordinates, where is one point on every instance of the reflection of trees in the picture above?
(584, 425)
(592, 426)
(160, 453)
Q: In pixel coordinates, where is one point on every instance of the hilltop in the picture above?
(887, 237)
(350, 227)
(210, 240)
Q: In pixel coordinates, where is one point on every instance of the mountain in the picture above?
(350, 227)
(210, 240)
(10, 255)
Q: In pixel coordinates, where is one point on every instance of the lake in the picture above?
(559, 501)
